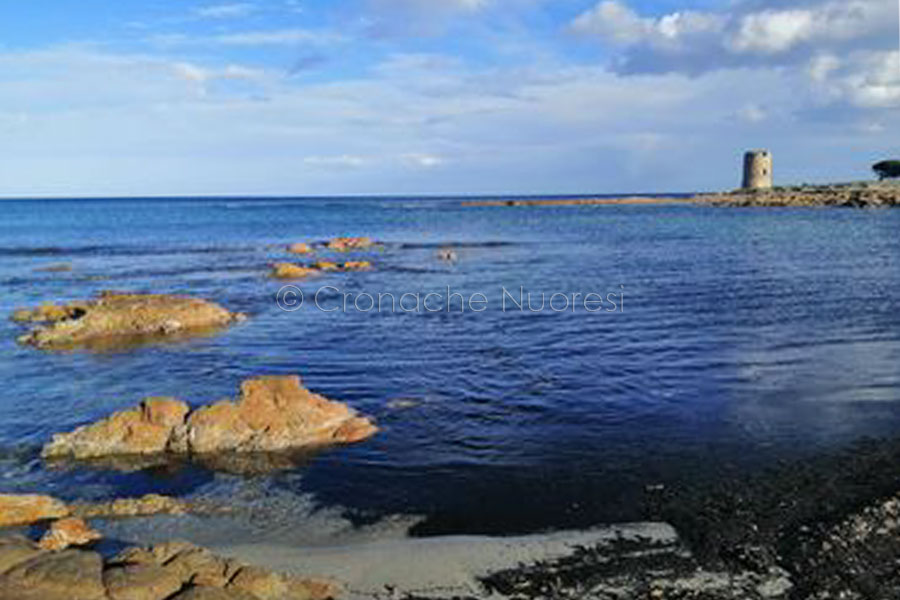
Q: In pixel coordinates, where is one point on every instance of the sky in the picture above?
(440, 97)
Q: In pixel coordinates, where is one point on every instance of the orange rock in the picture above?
(146, 429)
(291, 271)
(267, 585)
(360, 265)
(347, 244)
(118, 315)
(324, 265)
(271, 414)
(68, 532)
(140, 582)
(151, 504)
(27, 509)
(275, 413)
(67, 575)
(299, 248)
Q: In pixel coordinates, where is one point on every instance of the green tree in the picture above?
(887, 169)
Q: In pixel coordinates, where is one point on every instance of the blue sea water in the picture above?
(741, 337)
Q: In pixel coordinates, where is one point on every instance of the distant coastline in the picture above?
(845, 195)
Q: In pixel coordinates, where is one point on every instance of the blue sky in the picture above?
(316, 97)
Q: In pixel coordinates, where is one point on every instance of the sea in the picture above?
(547, 368)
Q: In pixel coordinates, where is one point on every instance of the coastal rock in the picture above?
(359, 265)
(272, 414)
(55, 268)
(348, 244)
(161, 572)
(151, 504)
(267, 585)
(27, 509)
(66, 575)
(67, 532)
(121, 315)
(49, 313)
(15, 550)
(326, 265)
(211, 575)
(140, 582)
(849, 195)
(275, 413)
(146, 429)
(202, 592)
(292, 271)
(299, 248)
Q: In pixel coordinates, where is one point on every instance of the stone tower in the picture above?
(758, 170)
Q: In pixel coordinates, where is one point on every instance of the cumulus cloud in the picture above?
(616, 22)
(748, 33)
(867, 80)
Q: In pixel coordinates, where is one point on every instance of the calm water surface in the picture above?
(747, 336)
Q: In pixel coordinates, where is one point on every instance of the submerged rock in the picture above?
(299, 248)
(272, 414)
(55, 268)
(67, 532)
(121, 315)
(27, 509)
(348, 244)
(151, 504)
(292, 271)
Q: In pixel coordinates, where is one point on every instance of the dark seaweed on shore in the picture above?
(795, 516)
(830, 524)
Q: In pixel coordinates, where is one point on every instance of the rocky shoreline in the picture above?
(849, 195)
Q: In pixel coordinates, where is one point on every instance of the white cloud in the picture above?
(614, 21)
(867, 80)
(418, 124)
(225, 11)
(263, 37)
(339, 161)
(424, 161)
(747, 33)
(276, 37)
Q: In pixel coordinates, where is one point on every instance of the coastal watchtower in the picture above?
(758, 170)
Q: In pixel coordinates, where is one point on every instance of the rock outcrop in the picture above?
(326, 265)
(27, 509)
(299, 248)
(115, 316)
(272, 414)
(349, 244)
(292, 271)
(852, 195)
(358, 265)
(145, 506)
(163, 572)
(31, 573)
(18, 510)
(67, 532)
